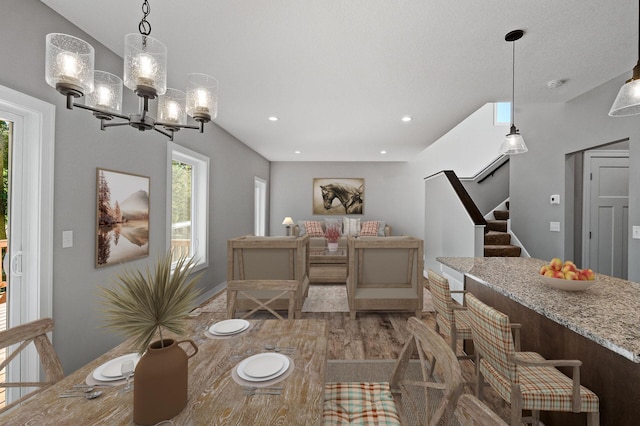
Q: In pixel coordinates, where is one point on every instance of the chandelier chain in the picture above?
(144, 26)
(513, 84)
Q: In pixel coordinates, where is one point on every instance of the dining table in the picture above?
(215, 396)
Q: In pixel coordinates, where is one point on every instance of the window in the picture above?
(188, 204)
(260, 206)
(502, 113)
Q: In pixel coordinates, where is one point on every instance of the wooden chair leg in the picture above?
(231, 303)
(516, 405)
(593, 419)
(352, 315)
(419, 313)
(292, 305)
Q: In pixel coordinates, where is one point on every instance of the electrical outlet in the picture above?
(555, 199)
(554, 226)
(636, 232)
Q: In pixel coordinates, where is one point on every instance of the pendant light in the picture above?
(513, 143)
(628, 100)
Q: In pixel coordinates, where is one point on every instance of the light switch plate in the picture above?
(636, 232)
(554, 226)
(67, 239)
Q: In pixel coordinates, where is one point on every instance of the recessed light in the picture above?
(383, 152)
(297, 152)
(273, 118)
(406, 118)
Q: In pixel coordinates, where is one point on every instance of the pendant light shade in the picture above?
(513, 143)
(628, 100)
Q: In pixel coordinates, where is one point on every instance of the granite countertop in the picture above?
(606, 313)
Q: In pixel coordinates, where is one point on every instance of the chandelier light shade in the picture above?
(145, 65)
(69, 69)
(69, 64)
(202, 96)
(628, 100)
(513, 143)
(107, 93)
(172, 108)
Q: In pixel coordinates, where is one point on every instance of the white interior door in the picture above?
(260, 206)
(30, 250)
(607, 208)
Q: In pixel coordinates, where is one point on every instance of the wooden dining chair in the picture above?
(23, 335)
(473, 412)
(451, 318)
(524, 379)
(428, 399)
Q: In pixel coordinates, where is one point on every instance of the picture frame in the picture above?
(122, 217)
(338, 196)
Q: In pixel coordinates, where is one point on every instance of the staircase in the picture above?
(497, 241)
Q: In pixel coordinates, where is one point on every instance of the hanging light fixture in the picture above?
(513, 143)
(628, 100)
(69, 69)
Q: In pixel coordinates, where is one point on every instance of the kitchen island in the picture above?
(599, 326)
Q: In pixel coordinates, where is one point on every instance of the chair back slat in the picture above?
(492, 337)
(33, 332)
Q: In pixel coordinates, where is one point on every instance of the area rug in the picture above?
(322, 298)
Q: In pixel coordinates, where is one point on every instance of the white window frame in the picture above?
(199, 200)
(260, 206)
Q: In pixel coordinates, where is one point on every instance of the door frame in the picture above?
(33, 158)
(586, 195)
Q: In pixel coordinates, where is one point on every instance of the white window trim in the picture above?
(200, 209)
(260, 206)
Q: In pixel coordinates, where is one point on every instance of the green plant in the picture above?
(142, 304)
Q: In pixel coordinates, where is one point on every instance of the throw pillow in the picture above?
(370, 228)
(301, 228)
(313, 228)
(381, 226)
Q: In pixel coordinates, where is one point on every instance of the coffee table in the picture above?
(327, 266)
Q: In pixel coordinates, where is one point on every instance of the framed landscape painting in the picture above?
(338, 196)
(122, 219)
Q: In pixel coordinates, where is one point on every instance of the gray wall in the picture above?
(491, 192)
(551, 131)
(391, 193)
(81, 147)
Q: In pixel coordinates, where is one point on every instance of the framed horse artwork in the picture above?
(338, 196)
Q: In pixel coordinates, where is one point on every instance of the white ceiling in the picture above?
(340, 74)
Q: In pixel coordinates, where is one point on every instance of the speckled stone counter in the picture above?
(607, 313)
(599, 326)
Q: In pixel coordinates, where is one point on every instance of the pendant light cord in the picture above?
(513, 84)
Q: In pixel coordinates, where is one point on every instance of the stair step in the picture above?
(497, 225)
(502, 251)
(497, 238)
(501, 214)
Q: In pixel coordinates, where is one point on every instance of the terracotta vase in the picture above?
(161, 382)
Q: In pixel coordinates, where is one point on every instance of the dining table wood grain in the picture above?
(214, 398)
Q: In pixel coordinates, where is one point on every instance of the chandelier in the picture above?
(628, 100)
(69, 69)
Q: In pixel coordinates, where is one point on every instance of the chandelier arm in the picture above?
(99, 111)
(177, 126)
(167, 134)
(115, 124)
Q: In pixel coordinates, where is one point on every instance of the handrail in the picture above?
(493, 171)
(472, 210)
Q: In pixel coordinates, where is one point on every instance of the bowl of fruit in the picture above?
(566, 276)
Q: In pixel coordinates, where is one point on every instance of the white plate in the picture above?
(268, 360)
(226, 327)
(110, 370)
(263, 366)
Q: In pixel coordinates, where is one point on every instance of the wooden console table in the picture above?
(326, 266)
(598, 326)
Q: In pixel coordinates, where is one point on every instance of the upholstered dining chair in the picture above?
(429, 398)
(524, 379)
(451, 318)
(473, 412)
(23, 336)
(268, 274)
